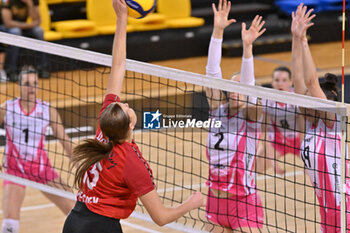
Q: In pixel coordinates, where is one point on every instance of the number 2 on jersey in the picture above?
(95, 172)
(217, 145)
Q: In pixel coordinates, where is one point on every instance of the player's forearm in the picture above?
(297, 66)
(309, 68)
(247, 71)
(247, 50)
(115, 81)
(65, 141)
(168, 215)
(214, 58)
(218, 33)
(17, 24)
(213, 69)
(119, 48)
(248, 77)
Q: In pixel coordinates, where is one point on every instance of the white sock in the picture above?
(10, 226)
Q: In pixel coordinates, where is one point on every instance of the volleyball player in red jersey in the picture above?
(321, 148)
(111, 172)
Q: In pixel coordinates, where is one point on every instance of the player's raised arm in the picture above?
(247, 68)
(213, 69)
(249, 36)
(299, 37)
(309, 69)
(116, 78)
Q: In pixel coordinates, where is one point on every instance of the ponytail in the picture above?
(114, 124)
(87, 154)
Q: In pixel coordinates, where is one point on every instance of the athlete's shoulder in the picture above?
(13, 106)
(12, 102)
(42, 102)
(132, 151)
(130, 147)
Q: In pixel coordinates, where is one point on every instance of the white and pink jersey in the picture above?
(282, 119)
(231, 151)
(282, 127)
(25, 154)
(320, 152)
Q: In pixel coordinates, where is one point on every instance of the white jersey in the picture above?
(320, 152)
(25, 134)
(231, 151)
(282, 119)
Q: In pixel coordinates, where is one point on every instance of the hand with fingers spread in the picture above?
(221, 20)
(255, 31)
(301, 21)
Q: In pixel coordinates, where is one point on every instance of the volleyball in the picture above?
(140, 8)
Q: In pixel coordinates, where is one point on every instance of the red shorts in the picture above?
(236, 211)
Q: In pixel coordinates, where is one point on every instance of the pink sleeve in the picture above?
(214, 58)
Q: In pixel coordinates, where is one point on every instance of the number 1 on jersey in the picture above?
(26, 134)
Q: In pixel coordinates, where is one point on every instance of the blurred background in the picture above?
(183, 28)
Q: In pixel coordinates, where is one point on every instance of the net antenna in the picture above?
(344, 130)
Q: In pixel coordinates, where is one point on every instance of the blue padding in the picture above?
(289, 6)
(334, 5)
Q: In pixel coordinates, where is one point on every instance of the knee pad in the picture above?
(10, 226)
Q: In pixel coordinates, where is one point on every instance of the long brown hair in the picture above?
(114, 124)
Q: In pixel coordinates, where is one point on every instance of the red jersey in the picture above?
(111, 186)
